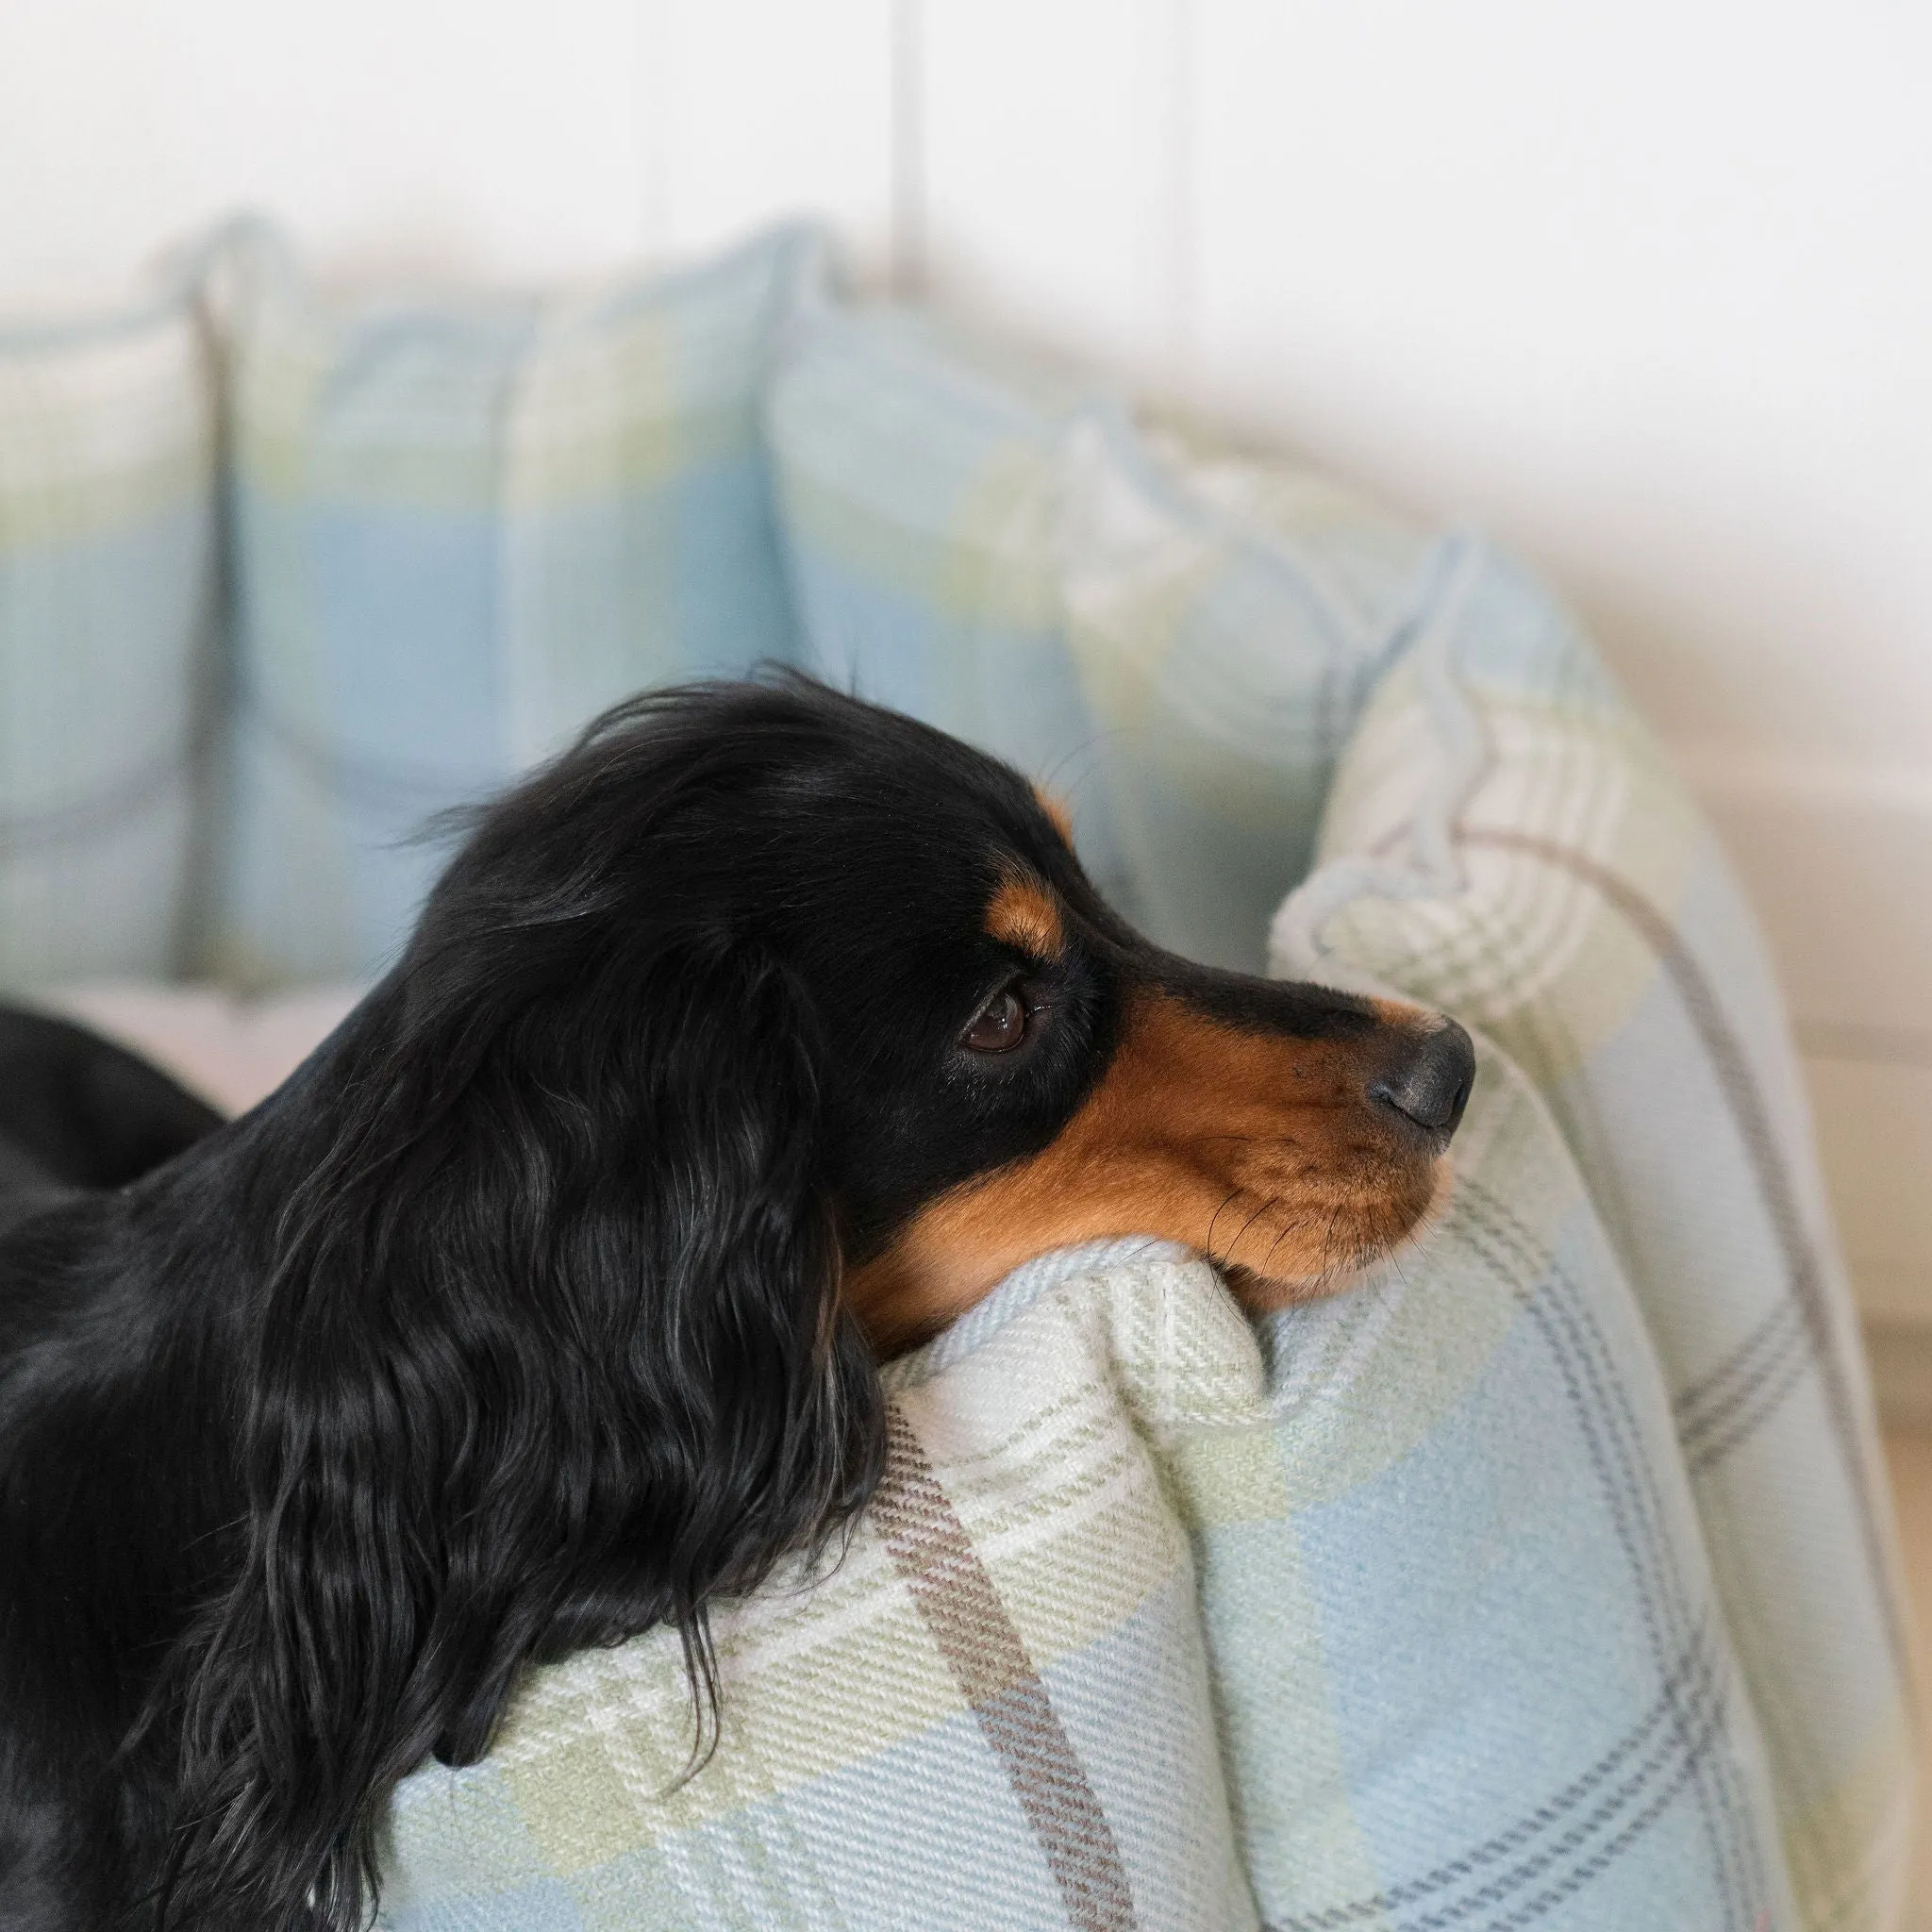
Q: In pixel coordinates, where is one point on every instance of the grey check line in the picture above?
(1694, 1728)
(1705, 1401)
(1747, 1396)
(1593, 1868)
(372, 784)
(1573, 1338)
(1504, 1224)
(1796, 1361)
(1694, 1750)
(1694, 1666)
(1751, 1119)
(1801, 1361)
(107, 810)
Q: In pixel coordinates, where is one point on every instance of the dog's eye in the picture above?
(1000, 1025)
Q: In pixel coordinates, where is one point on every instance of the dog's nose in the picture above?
(1427, 1082)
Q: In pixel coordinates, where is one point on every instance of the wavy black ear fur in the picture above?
(551, 1352)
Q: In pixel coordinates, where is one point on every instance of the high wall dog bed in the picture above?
(1545, 1578)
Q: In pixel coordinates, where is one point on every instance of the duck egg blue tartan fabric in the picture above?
(1239, 655)
(108, 617)
(1482, 1565)
(1506, 839)
(1001, 552)
(1393, 1613)
(1543, 1580)
(463, 531)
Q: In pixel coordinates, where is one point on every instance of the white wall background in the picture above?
(1643, 287)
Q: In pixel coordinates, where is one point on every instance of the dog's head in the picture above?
(759, 1035)
(999, 1064)
(1006, 1065)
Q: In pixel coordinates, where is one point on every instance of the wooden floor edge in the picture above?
(1900, 1357)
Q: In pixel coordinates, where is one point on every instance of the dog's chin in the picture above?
(1262, 1294)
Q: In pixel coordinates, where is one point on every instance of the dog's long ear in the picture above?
(553, 1352)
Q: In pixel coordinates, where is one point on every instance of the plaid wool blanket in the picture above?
(1543, 1580)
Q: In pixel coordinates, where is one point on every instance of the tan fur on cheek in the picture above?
(1261, 1151)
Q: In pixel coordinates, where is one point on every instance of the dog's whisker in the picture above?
(1249, 1222)
(1233, 1193)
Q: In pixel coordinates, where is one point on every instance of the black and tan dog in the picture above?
(755, 1038)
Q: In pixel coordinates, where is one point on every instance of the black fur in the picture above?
(81, 1112)
(510, 1323)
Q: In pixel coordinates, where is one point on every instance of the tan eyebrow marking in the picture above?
(1056, 809)
(1023, 913)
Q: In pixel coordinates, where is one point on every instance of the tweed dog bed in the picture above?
(1543, 1580)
